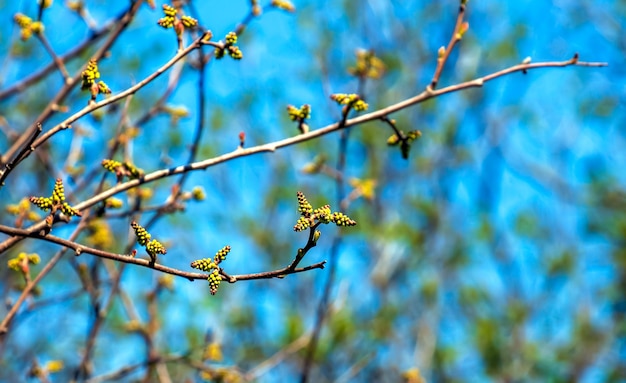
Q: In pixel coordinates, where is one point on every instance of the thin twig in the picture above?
(55, 59)
(158, 105)
(311, 243)
(278, 357)
(441, 61)
(355, 369)
(27, 146)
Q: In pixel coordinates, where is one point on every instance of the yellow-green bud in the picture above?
(393, 140)
(58, 193)
(168, 10)
(189, 22)
(235, 53)
(302, 224)
(316, 235)
(155, 247)
(205, 264)
(221, 254)
(304, 207)
(214, 281)
(231, 38)
(142, 234)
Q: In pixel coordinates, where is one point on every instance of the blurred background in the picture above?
(495, 252)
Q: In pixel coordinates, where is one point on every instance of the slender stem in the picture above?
(56, 59)
(27, 146)
(441, 61)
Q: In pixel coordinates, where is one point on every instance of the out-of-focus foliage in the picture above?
(496, 251)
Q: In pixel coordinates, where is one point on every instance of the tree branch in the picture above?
(273, 146)
(127, 258)
(441, 61)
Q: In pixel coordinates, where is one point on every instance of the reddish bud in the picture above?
(94, 90)
(179, 27)
(24, 266)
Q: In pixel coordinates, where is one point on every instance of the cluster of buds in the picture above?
(214, 281)
(171, 19)
(367, 65)
(27, 26)
(284, 5)
(229, 47)
(403, 140)
(310, 218)
(350, 100)
(122, 169)
(300, 115)
(211, 265)
(89, 76)
(153, 247)
(296, 114)
(23, 212)
(22, 261)
(55, 202)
